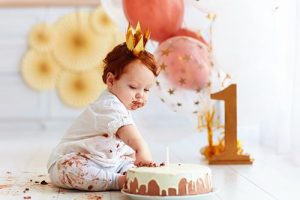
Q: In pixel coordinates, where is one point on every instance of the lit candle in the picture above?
(167, 156)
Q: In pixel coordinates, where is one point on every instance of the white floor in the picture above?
(23, 159)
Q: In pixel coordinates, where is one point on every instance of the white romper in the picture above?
(90, 156)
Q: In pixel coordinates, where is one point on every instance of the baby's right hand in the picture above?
(144, 160)
(145, 164)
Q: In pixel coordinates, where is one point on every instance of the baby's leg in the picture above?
(75, 171)
(125, 165)
(122, 180)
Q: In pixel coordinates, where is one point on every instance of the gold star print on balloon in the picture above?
(200, 66)
(208, 84)
(41, 37)
(162, 66)
(184, 58)
(182, 81)
(157, 83)
(171, 91)
(79, 89)
(78, 47)
(179, 104)
(198, 90)
(39, 70)
(165, 52)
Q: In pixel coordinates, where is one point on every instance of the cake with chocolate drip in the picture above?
(169, 180)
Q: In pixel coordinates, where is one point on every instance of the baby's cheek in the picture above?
(145, 101)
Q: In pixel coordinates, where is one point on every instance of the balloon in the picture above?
(163, 18)
(179, 99)
(191, 102)
(189, 33)
(114, 10)
(185, 62)
(204, 6)
(204, 18)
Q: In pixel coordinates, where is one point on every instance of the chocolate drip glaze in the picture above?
(133, 186)
(184, 188)
(153, 188)
(142, 189)
(172, 192)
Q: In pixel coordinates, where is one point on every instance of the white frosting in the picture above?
(170, 176)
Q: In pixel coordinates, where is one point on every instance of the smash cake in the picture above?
(169, 180)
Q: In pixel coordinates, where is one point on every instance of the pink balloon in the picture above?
(185, 62)
(192, 34)
(162, 17)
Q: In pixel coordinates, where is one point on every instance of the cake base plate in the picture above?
(207, 196)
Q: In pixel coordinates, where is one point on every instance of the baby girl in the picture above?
(103, 142)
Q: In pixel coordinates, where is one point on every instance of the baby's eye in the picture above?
(132, 87)
(146, 90)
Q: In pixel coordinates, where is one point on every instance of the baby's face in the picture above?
(132, 88)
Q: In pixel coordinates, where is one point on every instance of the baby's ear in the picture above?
(110, 79)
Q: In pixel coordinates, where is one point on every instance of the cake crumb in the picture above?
(94, 197)
(26, 190)
(4, 186)
(44, 182)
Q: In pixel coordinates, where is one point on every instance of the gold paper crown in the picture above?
(136, 42)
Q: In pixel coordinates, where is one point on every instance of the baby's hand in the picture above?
(146, 164)
(143, 157)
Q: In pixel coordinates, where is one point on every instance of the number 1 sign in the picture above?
(230, 154)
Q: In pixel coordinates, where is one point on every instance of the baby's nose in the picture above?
(138, 95)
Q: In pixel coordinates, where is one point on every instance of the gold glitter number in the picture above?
(230, 154)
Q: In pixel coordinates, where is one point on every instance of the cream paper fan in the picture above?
(117, 38)
(80, 89)
(41, 37)
(78, 47)
(39, 70)
(105, 27)
(101, 23)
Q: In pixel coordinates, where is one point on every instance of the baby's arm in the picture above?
(130, 135)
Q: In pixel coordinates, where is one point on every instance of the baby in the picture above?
(103, 142)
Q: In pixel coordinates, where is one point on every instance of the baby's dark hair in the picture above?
(120, 57)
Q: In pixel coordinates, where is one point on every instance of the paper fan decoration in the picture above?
(78, 47)
(41, 37)
(80, 89)
(101, 23)
(39, 70)
(119, 38)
